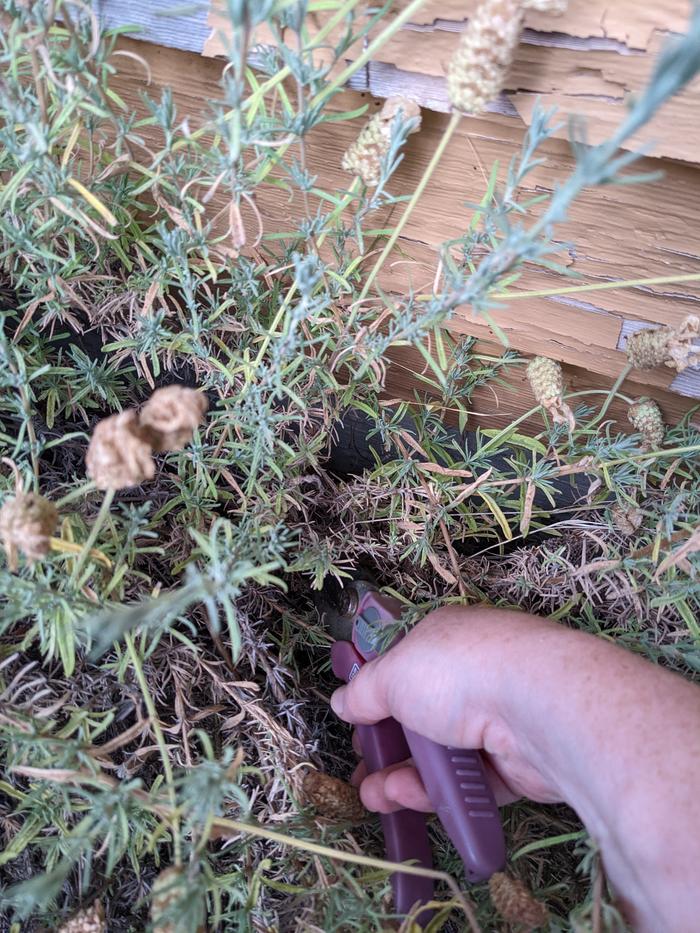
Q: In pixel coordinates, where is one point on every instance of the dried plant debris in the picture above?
(556, 7)
(91, 920)
(547, 382)
(516, 904)
(365, 156)
(164, 677)
(626, 518)
(121, 449)
(333, 798)
(27, 522)
(171, 416)
(646, 418)
(120, 454)
(172, 898)
(675, 347)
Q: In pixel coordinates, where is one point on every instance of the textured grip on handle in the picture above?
(405, 831)
(458, 788)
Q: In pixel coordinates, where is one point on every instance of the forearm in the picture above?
(562, 716)
(620, 738)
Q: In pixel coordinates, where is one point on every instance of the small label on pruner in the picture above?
(354, 671)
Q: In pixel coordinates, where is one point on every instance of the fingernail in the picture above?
(338, 701)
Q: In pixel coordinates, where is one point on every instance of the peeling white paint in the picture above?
(554, 40)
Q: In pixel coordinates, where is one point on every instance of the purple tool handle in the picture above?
(458, 788)
(454, 778)
(405, 831)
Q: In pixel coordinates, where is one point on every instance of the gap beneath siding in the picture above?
(166, 22)
(382, 80)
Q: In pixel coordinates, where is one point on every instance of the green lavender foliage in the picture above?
(131, 256)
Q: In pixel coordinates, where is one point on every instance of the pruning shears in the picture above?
(363, 622)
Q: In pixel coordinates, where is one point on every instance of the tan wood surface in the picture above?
(617, 233)
(586, 62)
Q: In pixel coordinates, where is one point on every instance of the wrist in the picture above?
(619, 738)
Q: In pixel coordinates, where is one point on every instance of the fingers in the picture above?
(502, 791)
(467, 678)
(394, 788)
(453, 661)
(359, 774)
(401, 786)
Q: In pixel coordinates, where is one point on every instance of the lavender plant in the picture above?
(162, 675)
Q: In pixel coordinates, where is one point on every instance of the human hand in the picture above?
(559, 715)
(436, 682)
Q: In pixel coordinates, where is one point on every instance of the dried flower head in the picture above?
(626, 518)
(547, 382)
(557, 7)
(477, 71)
(27, 522)
(364, 156)
(645, 415)
(171, 416)
(670, 346)
(397, 104)
(119, 454)
(91, 920)
(516, 904)
(333, 798)
(169, 891)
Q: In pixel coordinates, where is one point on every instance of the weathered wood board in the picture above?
(583, 335)
(586, 62)
(163, 22)
(617, 233)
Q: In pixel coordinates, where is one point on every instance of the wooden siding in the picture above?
(618, 232)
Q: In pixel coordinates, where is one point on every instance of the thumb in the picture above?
(364, 700)
(453, 661)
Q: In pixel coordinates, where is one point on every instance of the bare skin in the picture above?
(561, 716)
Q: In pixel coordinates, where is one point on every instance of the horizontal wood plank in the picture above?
(618, 232)
(587, 62)
(164, 22)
